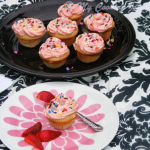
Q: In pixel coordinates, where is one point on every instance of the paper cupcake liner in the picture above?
(29, 43)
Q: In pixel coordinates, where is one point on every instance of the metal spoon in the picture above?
(95, 126)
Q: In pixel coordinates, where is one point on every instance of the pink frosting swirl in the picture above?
(89, 43)
(30, 26)
(60, 107)
(67, 10)
(63, 26)
(99, 22)
(52, 48)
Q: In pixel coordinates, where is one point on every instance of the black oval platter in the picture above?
(27, 60)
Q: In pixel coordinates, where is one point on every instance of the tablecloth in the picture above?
(126, 84)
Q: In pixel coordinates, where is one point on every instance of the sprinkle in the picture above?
(35, 29)
(90, 16)
(103, 19)
(39, 26)
(91, 46)
(55, 105)
(64, 109)
(67, 68)
(16, 52)
(73, 102)
(45, 106)
(92, 25)
(23, 25)
(98, 12)
(59, 114)
(107, 42)
(41, 22)
(52, 110)
(112, 40)
(49, 111)
(70, 107)
(96, 47)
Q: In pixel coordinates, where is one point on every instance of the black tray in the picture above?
(26, 60)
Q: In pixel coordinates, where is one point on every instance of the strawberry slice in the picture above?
(45, 96)
(32, 130)
(34, 141)
(48, 135)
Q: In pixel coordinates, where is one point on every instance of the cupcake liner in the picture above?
(63, 123)
(55, 65)
(29, 43)
(88, 58)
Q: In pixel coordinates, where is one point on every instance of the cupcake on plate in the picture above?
(101, 23)
(54, 52)
(29, 31)
(64, 29)
(61, 111)
(72, 11)
(89, 47)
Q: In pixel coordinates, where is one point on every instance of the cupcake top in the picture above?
(62, 25)
(68, 10)
(60, 107)
(99, 22)
(52, 48)
(30, 26)
(89, 43)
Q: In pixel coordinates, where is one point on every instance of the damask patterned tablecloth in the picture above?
(126, 84)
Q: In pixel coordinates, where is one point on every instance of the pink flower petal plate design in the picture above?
(23, 109)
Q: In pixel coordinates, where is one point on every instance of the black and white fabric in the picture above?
(126, 84)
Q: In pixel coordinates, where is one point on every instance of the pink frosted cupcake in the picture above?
(101, 23)
(64, 29)
(72, 11)
(89, 47)
(61, 111)
(54, 52)
(29, 31)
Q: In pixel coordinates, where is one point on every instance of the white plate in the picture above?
(22, 110)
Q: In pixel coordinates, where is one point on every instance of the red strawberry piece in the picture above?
(48, 135)
(34, 141)
(32, 130)
(45, 96)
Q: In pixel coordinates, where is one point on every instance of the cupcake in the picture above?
(89, 47)
(29, 31)
(72, 11)
(64, 29)
(54, 52)
(101, 23)
(61, 111)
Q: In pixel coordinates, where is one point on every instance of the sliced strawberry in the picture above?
(34, 141)
(32, 130)
(48, 135)
(45, 96)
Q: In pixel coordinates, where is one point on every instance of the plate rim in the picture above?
(68, 83)
(38, 73)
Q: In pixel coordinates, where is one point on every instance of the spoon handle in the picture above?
(95, 126)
